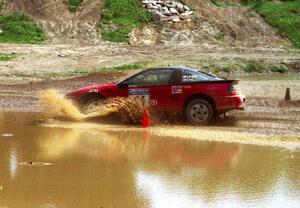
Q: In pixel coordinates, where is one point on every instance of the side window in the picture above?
(193, 76)
(152, 78)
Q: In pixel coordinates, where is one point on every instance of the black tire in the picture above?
(91, 103)
(199, 112)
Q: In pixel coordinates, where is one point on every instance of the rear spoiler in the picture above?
(235, 82)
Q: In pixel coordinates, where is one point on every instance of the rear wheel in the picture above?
(199, 112)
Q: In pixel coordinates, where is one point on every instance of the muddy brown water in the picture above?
(122, 166)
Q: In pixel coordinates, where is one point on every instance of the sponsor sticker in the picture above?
(189, 78)
(176, 90)
(94, 90)
(142, 94)
(138, 92)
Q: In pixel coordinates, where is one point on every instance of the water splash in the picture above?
(128, 110)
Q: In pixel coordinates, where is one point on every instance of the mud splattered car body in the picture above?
(197, 95)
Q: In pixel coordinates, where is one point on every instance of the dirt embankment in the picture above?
(233, 25)
(60, 24)
(229, 25)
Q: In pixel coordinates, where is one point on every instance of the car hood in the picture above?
(91, 88)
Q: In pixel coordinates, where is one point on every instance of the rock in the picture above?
(165, 11)
(174, 11)
(61, 55)
(184, 16)
(180, 8)
(175, 18)
(157, 17)
(186, 8)
(143, 36)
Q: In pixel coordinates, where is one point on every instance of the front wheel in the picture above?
(199, 112)
(92, 104)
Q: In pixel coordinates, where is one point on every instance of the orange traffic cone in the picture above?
(145, 120)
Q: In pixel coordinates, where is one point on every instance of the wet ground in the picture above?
(62, 164)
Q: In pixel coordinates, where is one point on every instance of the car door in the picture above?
(153, 87)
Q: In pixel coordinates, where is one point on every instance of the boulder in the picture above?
(186, 8)
(175, 18)
(184, 16)
(165, 11)
(173, 11)
(180, 8)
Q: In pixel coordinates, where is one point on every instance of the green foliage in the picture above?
(74, 4)
(2, 5)
(17, 28)
(285, 16)
(120, 17)
(217, 2)
(254, 67)
(7, 57)
(280, 69)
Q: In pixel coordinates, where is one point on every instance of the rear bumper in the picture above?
(233, 102)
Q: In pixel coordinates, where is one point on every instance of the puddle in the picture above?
(37, 164)
(98, 165)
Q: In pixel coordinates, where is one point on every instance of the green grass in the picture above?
(120, 17)
(7, 57)
(134, 66)
(218, 3)
(285, 16)
(18, 28)
(74, 4)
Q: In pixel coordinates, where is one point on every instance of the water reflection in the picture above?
(94, 168)
(13, 162)
(138, 147)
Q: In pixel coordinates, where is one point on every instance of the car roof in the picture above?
(171, 67)
(182, 68)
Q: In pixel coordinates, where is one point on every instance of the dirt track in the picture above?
(20, 86)
(36, 61)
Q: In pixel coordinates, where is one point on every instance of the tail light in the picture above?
(234, 88)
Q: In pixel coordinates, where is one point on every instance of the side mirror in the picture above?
(123, 85)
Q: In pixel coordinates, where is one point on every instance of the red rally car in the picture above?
(197, 95)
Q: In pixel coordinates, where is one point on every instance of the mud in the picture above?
(266, 112)
(126, 110)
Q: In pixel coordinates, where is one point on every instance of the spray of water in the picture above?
(128, 110)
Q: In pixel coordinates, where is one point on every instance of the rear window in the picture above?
(196, 76)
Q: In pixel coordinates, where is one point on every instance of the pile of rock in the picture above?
(163, 11)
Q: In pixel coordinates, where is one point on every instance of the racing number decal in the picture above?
(141, 93)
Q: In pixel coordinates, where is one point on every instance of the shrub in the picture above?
(18, 28)
(120, 17)
(254, 66)
(280, 69)
(74, 4)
